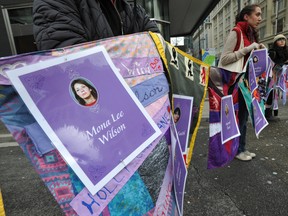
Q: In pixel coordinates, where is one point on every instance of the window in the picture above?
(262, 31)
(281, 5)
(19, 25)
(280, 25)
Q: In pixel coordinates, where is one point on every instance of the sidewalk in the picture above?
(256, 188)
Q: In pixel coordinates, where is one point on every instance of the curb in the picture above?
(2, 212)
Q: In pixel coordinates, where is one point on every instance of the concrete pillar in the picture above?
(268, 24)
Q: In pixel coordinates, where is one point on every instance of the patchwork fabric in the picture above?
(139, 59)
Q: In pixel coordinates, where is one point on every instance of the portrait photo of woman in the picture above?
(177, 114)
(84, 92)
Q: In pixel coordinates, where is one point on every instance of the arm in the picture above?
(272, 54)
(145, 22)
(228, 55)
(57, 24)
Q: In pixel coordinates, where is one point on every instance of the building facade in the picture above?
(221, 20)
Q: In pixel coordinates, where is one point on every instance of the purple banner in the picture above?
(229, 125)
(182, 116)
(259, 120)
(102, 198)
(179, 169)
(252, 78)
(69, 97)
(259, 58)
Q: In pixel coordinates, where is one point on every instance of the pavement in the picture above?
(255, 188)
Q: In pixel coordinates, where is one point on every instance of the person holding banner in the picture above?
(279, 55)
(63, 23)
(240, 42)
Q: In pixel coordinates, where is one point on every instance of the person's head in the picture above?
(250, 14)
(280, 40)
(83, 91)
(177, 114)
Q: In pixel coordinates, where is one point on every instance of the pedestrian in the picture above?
(65, 22)
(240, 42)
(279, 55)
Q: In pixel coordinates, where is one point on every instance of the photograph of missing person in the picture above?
(84, 92)
(177, 114)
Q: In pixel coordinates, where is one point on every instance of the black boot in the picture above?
(268, 113)
(276, 112)
(269, 116)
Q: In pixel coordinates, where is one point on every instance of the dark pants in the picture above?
(243, 118)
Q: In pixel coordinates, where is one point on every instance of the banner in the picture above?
(188, 77)
(138, 63)
(229, 125)
(182, 116)
(87, 131)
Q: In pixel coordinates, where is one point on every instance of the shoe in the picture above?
(251, 154)
(243, 157)
(272, 119)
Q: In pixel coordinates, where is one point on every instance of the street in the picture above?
(258, 187)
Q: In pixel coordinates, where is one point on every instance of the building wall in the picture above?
(222, 20)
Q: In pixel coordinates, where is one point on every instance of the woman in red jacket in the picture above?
(245, 30)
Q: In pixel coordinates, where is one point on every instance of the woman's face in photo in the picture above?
(176, 117)
(82, 90)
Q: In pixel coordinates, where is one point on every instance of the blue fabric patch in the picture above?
(40, 140)
(151, 90)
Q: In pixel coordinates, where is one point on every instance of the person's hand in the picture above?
(253, 46)
(262, 46)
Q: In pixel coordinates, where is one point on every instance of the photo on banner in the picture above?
(182, 116)
(229, 126)
(71, 99)
(179, 169)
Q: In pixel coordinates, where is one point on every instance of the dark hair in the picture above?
(248, 10)
(281, 54)
(84, 82)
(177, 110)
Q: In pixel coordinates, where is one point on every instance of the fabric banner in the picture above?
(138, 58)
(100, 128)
(221, 83)
(60, 178)
(188, 77)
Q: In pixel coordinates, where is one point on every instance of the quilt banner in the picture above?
(92, 125)
(222, 83)
(188, 77)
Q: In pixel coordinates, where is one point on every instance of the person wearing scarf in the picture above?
(279, 55)
(247, 22)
